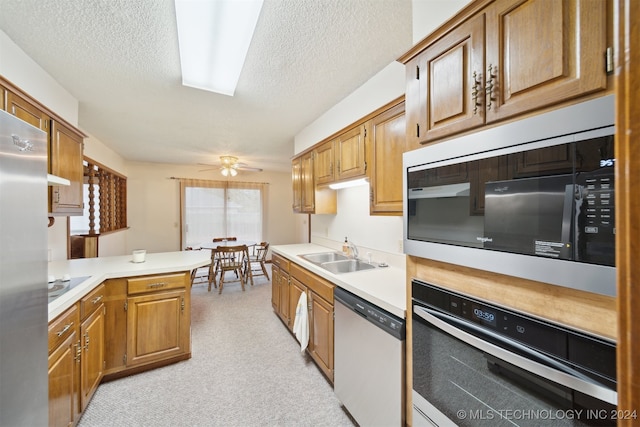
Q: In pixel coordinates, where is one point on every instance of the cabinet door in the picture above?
(452, 80)
(324, 163)
(415, 99)
(350, 154)
(321, 334)
(157, 327)
(542, 52)
(93, 360)
(284, 297)
(296, 288)
(115, 325)
(26, 111)
(387, 143)
(297, 185)
(64, 378)
(275, 288)
(308, 183)
(66, 162)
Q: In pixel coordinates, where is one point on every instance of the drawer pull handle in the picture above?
(491, 85)
(475, 91)
(96, 299)
(65, 329)
(157, 285)
(78, 356)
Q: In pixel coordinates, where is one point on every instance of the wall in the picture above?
(154, 204)
(25, 73)
(153, 199)
(430, 14)
(376, 233)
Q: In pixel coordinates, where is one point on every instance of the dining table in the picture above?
(214, 245)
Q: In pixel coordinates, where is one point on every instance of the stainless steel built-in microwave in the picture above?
(533, 198)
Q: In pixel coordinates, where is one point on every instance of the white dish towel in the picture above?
(301, 322)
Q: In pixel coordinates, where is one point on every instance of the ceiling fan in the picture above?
(229, 166)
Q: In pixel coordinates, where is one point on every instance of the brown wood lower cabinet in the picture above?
(321, 333)
(121, 327)
(156, 327)
(64, 369)
(280, 283)
(319, 294)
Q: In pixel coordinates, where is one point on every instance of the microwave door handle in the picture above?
(542, 364)
(569, 195)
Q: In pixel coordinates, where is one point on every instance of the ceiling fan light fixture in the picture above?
(228, 170)
(228, 160)
(214, 38)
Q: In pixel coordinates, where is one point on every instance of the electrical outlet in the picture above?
(400, 247)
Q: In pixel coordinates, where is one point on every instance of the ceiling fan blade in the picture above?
(248, 169)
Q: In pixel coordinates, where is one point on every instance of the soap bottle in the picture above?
(345, 247)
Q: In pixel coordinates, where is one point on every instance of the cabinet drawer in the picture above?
(62, 327)
(144, 284)
(90, 302)
(317, 284)
(281, 262)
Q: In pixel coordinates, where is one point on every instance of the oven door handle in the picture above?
(542, 364)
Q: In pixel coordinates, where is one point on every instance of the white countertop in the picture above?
(382, 286)
(103, 268)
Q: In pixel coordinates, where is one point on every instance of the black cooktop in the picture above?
(60, 287)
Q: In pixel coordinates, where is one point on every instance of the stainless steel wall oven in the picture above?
(533, 198)
(478, 364)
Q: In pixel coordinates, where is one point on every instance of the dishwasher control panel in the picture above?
(376, 315)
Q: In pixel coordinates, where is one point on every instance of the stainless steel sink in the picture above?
(322, 257)
(346, 266)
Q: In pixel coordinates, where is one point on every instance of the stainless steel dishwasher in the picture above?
(369, 361)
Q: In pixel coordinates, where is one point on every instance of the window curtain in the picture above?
(211, 209)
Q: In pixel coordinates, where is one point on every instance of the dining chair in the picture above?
(199, 274)
(258, 255)
(213, 270)
(232, 258)
(225, 239)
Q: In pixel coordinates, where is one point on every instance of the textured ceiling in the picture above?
(120, 59)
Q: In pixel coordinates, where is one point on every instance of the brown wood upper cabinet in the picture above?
(65, 160)
(65, 147)
(509, 58)
(307, 197)
(341, 158)
(27, 111)
(350, 154)
(324, 162)
(386, 142)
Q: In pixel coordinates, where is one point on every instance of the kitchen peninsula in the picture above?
(124, 318)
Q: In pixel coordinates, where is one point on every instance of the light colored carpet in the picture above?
(246, 370)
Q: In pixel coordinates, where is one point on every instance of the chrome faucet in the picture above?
(353, 249)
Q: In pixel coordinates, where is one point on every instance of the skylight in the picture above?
(214, 37)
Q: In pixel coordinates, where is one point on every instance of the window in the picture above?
(105, 201)
(221, 209)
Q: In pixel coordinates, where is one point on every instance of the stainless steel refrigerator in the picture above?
(23, 274)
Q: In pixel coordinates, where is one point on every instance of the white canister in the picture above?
(138, 255)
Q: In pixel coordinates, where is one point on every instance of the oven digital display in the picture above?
(484, 316)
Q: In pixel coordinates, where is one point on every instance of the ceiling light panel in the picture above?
(214, 38)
